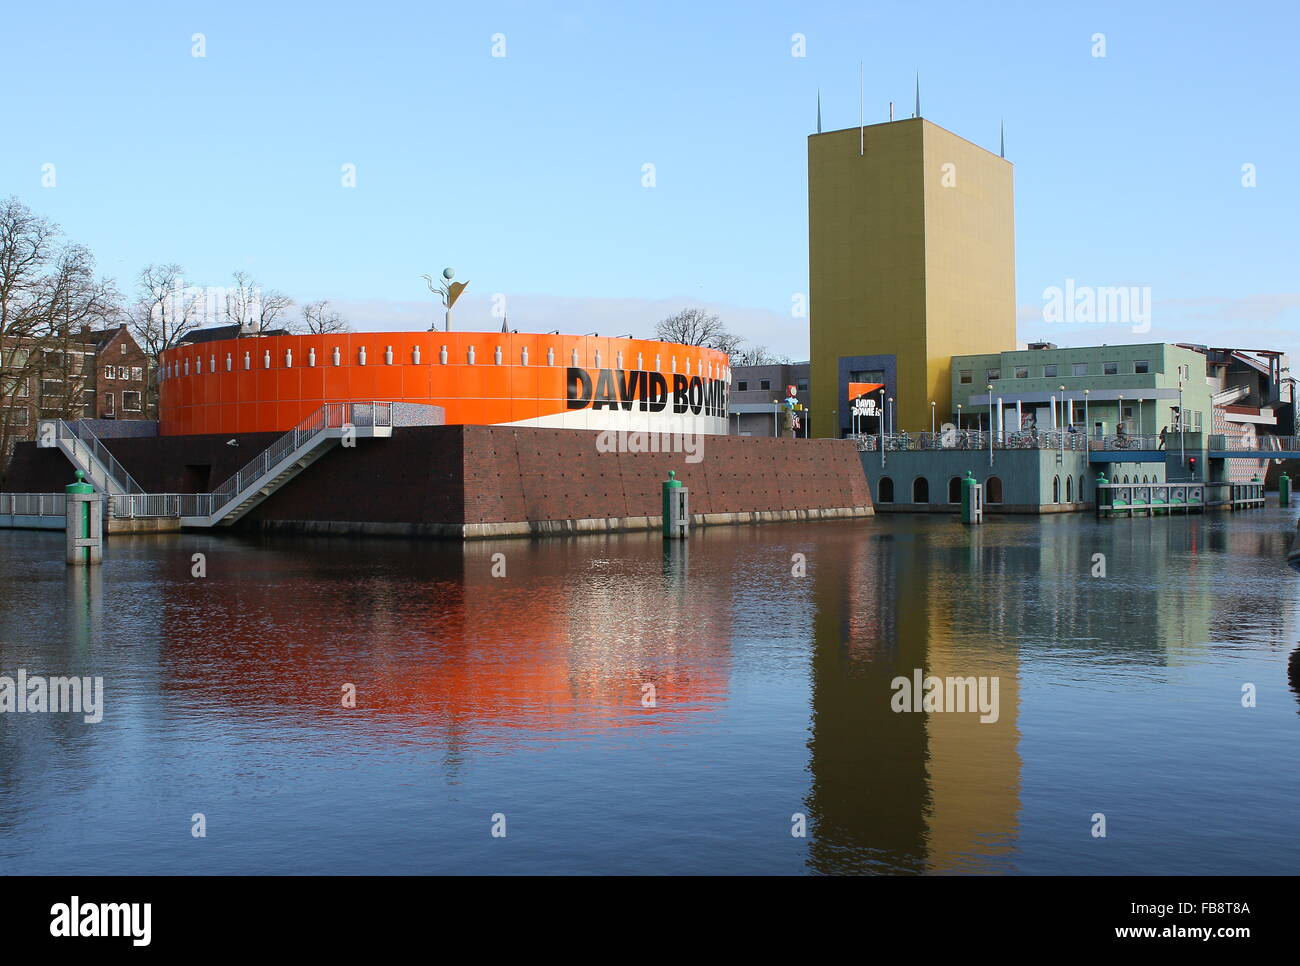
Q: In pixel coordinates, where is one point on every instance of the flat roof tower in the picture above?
(911, 251)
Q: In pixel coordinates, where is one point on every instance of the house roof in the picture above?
(219, 332)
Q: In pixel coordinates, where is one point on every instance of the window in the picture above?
(51, 388)
(1049, 372)
(1141, 366)
(885, 490)
(1056, 489)
(18, 416)
(1110, 368)
(74, 362)
(1069, 489)
(1077, 417)
(18, 358)
(954, 490)
(109, 372)
(1079, 369)
(742, 386)
(966, 377)
(993, 374)
(53, 359)
(131, 402)
(108, 404)
(123, 348)
(137, 373)
(765, 384)
(123, 372)
(1022, 372)
(16, 386)
(920, 490)
(993, 490)
(1128, 414)
(801, 384)
(867, 375)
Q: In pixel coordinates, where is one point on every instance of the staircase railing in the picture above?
(329, 416)
(78, 432)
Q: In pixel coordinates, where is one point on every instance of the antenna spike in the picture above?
(1002, 138)
(819, 110)
(918, 95)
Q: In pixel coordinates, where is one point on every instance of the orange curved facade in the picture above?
(271, 383)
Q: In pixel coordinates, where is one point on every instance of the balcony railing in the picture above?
(971, 439)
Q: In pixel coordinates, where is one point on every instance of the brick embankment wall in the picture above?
(486, 481)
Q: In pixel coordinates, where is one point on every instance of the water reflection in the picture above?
(657, 706)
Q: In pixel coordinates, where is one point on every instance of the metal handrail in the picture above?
(33, 504)
(82, 433)
(327, 417)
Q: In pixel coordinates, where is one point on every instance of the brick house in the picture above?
(89, 374)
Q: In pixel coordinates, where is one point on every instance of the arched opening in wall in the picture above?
(1081, 496)
(1069, 489)
(993, 490)
(1056, 489)
(920, 490)
(954, 490)
(885, 490)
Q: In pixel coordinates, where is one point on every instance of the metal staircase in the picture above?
(327, 427)
(283, 460)
(87, 453)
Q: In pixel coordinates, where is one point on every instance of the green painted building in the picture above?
(1146, 388)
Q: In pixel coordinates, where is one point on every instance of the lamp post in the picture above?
(990, 388)
(931, 417)
(959, 417)
(776, 411)
(1061, 428)
(1087, 426)
(1182, 427)
(891, 415)
(1120, 413)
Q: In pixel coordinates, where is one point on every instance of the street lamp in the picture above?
(990, 389)
(959, 417)
(1086, 425)
(1061, 429)
(891, 415)
(931, 417)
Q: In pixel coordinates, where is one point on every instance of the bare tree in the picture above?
(49, 296)
(757, 355)
(252, 309)
(695, 327)
(165, 310)
(319, 319)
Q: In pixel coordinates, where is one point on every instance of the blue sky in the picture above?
(525, 171)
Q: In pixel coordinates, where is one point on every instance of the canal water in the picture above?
(615, 707)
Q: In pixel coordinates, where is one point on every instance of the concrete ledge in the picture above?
(546, 528)
(142, 525)
(30, 521)
(989, 509)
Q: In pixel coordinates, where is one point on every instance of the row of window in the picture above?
(1052, 371)
(992, 490)
(132, 402)
(743, 384)
(124, 372)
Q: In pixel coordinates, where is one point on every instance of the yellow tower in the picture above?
(911, 260)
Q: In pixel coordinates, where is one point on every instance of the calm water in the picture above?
(523, 695)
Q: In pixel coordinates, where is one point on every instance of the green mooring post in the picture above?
(972, 507)
(1284, 490)
(83, 522)
(674, 527)
(1101, 494)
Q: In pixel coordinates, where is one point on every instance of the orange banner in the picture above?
(857, 389)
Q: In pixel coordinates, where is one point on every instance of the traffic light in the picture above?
(1191, 463)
